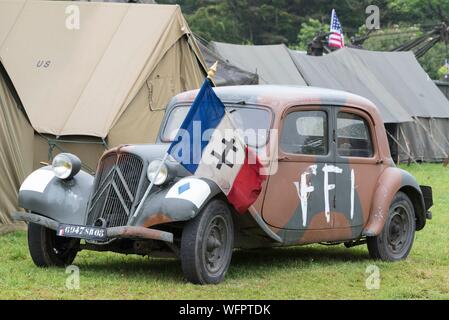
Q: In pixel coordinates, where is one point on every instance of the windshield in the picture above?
(254, 122)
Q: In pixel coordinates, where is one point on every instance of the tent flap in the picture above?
(271, 63)
(16, 151)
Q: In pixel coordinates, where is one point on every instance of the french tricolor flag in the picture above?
(208, 145)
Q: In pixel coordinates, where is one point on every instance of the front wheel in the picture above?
(47, 249)
(207, 243)
(396, 238)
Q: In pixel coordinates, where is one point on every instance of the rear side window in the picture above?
(305, 132)
(353, 136)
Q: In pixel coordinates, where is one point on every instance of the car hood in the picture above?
(150, 152)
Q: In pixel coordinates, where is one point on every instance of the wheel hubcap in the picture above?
(398, 229)
(216, 239)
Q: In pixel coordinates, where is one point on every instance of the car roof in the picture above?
(278, 97)
(281, 97)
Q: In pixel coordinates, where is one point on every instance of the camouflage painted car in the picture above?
(330, 179)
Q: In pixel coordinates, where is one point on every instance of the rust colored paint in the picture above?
(346, 202)
(387, 186)
(278, 203)
(156, 219)
(363, 190)
(139, 232)
(364, 171)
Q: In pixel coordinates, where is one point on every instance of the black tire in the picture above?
(396, 238)
(207, 243)
(47, 249)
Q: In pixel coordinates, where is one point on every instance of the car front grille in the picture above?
(115, 188)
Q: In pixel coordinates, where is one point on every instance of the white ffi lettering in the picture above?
(304, 190)
(328, 187)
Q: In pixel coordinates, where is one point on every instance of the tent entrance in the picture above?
(88, 149)
(420, 140)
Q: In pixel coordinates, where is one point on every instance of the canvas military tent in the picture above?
(272, 63)
(415, 111)
(227, 74)
(83, 84)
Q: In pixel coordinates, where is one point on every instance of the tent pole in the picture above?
(409, 152)
(399, 145)
(53, 144)
(446, 161)
(105, 145)
(396, 133)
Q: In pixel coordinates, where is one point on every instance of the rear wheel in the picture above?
(396, 239)
(47, 249)
(207, 243)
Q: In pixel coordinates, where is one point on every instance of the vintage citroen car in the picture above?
(329, 179)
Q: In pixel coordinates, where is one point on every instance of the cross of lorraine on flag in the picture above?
(224, 157)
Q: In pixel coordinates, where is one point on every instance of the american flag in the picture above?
(336, 38)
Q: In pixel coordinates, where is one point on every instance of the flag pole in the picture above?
(210, 74)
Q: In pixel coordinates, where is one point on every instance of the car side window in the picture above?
(353, 136)
(305, 132)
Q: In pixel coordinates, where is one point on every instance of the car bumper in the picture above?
(130, 232)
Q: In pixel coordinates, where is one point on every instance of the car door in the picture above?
(299, 195)
(357, 157)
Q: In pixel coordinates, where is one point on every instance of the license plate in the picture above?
(83, 232)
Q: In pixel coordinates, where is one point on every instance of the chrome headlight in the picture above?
(66, 165)
(162, 176)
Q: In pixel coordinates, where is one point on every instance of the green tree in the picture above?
(433, 60)
(214, 22)
(443, 72)
(422, 11)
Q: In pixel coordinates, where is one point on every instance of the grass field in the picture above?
(311, 272)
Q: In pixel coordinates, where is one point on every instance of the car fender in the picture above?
(64, 201)
(391, 181)
(181, 201)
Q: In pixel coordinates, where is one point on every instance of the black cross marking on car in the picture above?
(229, 145)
